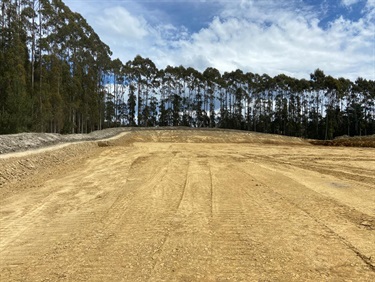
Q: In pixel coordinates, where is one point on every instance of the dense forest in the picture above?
(56, 75)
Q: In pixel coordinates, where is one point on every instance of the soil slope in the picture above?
(186, 205)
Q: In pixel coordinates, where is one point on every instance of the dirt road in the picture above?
(185, 206)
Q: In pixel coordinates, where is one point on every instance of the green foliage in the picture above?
(56, 75)
(51, 69)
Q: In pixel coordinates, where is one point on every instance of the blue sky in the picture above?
(262, 36)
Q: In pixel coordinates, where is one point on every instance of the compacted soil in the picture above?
(188, 205)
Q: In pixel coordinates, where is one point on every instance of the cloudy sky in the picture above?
(294, 37)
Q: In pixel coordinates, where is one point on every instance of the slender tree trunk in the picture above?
(41, 72)
(138, 103)
(32, 63)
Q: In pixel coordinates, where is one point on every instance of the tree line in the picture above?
(56, 75)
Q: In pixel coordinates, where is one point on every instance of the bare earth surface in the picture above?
(184, 205)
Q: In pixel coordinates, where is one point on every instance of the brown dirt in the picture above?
(184, 205)
(346, 141)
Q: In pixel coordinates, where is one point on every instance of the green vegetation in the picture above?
(56, 75)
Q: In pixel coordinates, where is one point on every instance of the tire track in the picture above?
(167, 235)
(233, 250)
(184, 188)
(364, 176)
(132, 220)
(310, 213)
(211, 189)
(187, 246)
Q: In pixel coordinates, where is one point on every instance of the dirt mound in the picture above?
(258, 208)
(26, 141)
(346, 141)
(14, 169)
(30, 154)
(189, 135)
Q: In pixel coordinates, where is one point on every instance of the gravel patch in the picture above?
(26, 141)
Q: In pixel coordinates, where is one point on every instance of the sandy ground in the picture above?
(182, 205)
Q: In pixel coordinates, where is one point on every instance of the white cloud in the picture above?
(349, 2)
(117, 21)
(289, 43)
(258, 36)
(370, 9)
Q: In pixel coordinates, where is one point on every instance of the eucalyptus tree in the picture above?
(167, 93)
(249, 84)
(198, 86)
(284, 104)
(227, 113)
(145, 72)
(14, 98)
(131, 80)
(56, 75)
(117, 92)
(71, 62)
(356, 106)
(300, 110)
(153, 100)
(131, 104)
(295, 108)
(331, 106)
(101, 66)
(186, 102)
(163, 89)
(262, 102)
(316, 113)
(369, 107)
(256, 101)
(240, 97)
(192, 102)
(220, 96)
(178, 74)
(212, 79)
(267, 103)
(342, 88)
(150, 103)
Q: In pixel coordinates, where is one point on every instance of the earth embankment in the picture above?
(185, 205)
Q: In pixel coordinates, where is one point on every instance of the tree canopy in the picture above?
(56, 75)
